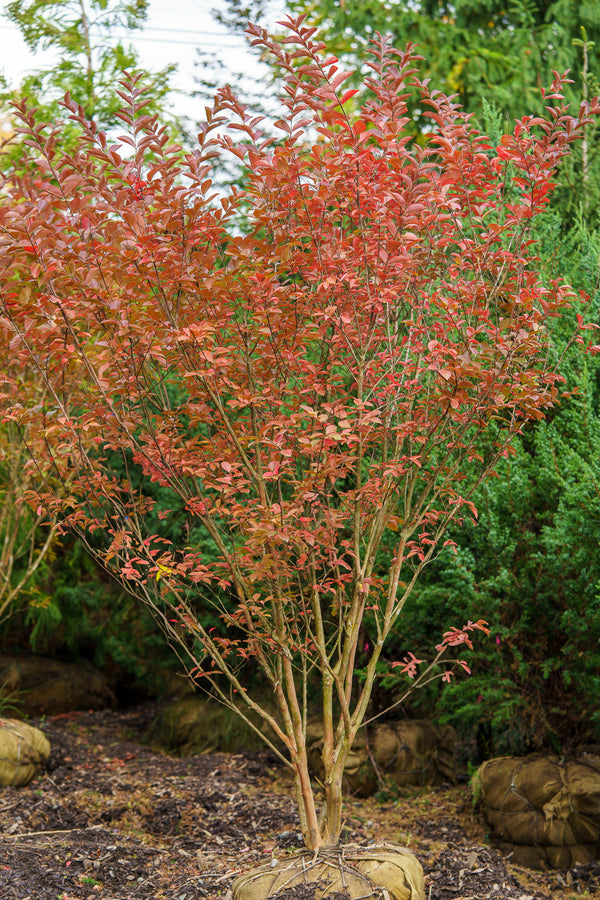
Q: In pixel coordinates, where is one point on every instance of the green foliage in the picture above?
(10, 703)
(531, 566)
(537, 573)
(91, 58)
(88, 616)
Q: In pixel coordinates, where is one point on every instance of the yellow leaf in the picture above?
(163, 570)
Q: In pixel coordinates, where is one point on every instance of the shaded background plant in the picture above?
(532, 562)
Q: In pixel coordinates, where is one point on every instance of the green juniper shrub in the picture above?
(530, 566)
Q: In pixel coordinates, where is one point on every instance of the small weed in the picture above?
(10, 703)
(476, 788)
(388, 793)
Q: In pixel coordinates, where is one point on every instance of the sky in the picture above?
(174, 31)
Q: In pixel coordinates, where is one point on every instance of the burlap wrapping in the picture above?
(545, 810)
(195, 725)
(407, 752)
(23, 752)
(384, 872)
(549, 857)
(50, 687)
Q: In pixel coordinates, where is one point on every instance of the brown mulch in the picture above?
(113, 819)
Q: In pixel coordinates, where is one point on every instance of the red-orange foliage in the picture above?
(322, 390)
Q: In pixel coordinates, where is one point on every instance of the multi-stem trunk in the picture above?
(331, 826)
(319, 831)
(331, 819)
(305, 798)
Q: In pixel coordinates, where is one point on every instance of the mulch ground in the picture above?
(115, 819)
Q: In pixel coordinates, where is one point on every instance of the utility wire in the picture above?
(150, 40)
(182, 31)
(135, 38)
(136, 31)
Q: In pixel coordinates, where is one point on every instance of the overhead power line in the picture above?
(134, 39)
(184, 31)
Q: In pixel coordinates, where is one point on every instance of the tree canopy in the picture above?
(324, 390)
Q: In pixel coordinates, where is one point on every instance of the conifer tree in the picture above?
(90, 36)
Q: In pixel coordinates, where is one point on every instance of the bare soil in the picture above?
(115, 819)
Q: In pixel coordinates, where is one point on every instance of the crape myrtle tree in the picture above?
(27, 537)
(91, 61)
(347, 367)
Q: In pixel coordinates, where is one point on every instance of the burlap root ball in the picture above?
(409, 752)
(199, 725)
(383, 872)
(49, 687)
(544, 811)
(23, 752)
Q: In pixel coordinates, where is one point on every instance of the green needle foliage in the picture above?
(532, 562)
